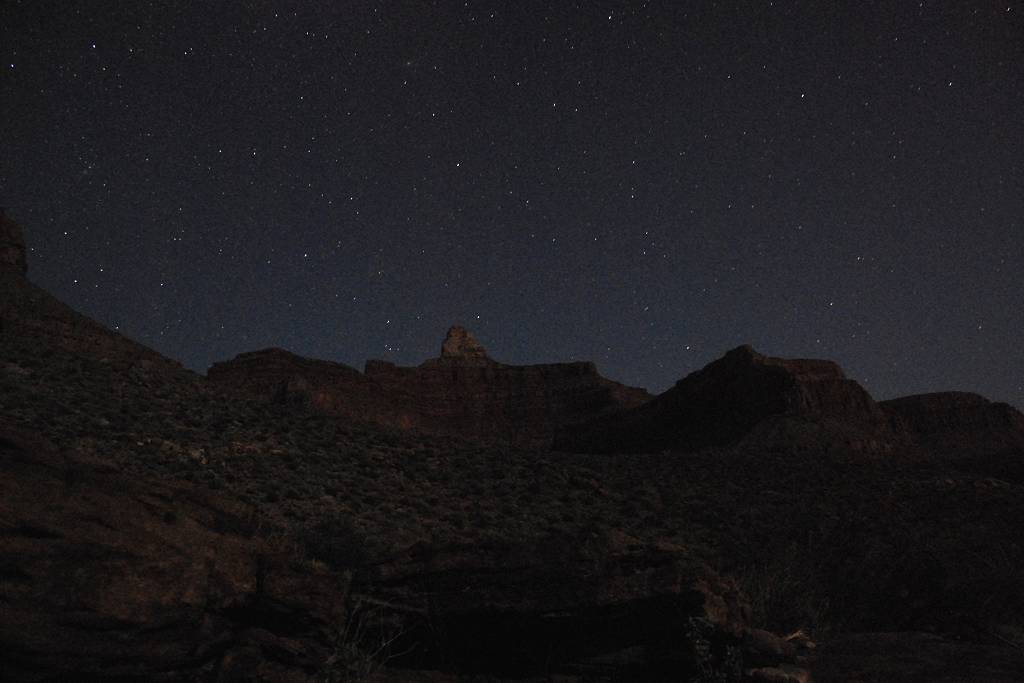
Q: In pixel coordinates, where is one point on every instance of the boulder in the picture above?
(601, 605)
(784, 673)
(768, 647)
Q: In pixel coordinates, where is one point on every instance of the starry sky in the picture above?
(645, 185)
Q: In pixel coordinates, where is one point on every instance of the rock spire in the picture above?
(459, 343)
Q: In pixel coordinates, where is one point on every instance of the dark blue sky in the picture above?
(645, 185)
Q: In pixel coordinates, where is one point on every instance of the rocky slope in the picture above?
(35, 316)
(463, 392)
(103, 577)
(107, 577)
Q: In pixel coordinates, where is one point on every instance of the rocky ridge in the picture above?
(958, 423)
(462, 392)
(34, 314)
(724, 401)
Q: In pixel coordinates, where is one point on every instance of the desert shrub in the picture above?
(362, 645)
(788, 591)
(714, 662)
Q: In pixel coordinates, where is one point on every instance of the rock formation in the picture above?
(463, 392)
(286, 378)
(460, 345)
(958, 423)
(12, 245)
(520, 609)
(724, 401)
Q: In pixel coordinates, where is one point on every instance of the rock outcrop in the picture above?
(601, 607)
(126, 552)
(463, 392)
(286, 378)
(105, 577)
(12, 245)
(724, 401)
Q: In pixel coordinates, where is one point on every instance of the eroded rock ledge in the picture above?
(462, 392)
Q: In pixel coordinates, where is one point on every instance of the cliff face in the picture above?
(723, 402)
(331, 388)
(462, 392)
(958, 423)
(524, 404)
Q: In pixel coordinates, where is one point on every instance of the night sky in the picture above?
(645, 185)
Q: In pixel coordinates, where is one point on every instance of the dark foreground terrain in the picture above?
(762, 520)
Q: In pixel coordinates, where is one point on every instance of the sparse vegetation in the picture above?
(363, 644)
(714, 662)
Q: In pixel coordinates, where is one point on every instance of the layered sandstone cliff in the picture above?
(462, 392)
